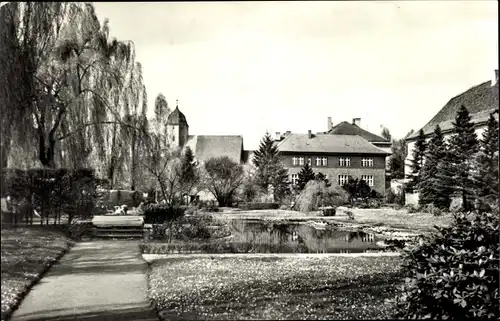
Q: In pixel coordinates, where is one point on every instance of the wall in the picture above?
(332, 171)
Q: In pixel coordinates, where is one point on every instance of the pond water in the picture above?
(267, 237)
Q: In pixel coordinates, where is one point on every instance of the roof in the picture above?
(176, 117)
(328, 143)
(205, 147)
(345, 128)
(479, 100)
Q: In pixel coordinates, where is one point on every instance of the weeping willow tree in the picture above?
(68, 89)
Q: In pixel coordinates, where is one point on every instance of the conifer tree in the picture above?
(486, 175)
(428, 180)
(418, 157)
(463, 147)
(189, 175)
(269, 168)
(306, 174)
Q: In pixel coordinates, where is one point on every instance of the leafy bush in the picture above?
(259, 206)
(411, 208)
(431, 209)
(454, 274)
(316, 195)
(160, 213)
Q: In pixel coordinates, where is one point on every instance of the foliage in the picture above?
(189, 172)
(224, 177)
(418, 155)
(357, 188)
(269, 168)
(306, 174)
(54, 191)
(316, 195)
(393, 197)
(161, 213)
(434, 188)
(463, 147)
(454, 274)
(258, 206)
(411, 208)
(486, 176)
(320, 177)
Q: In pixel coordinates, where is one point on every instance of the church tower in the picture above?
(177, 128)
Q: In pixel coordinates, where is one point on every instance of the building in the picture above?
(336, 156)
(204, 147)
(480, 101)
(354, 128)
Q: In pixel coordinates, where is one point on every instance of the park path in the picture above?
(97, 280)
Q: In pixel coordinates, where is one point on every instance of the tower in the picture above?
(177, 128)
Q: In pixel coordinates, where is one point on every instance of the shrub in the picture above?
(316, 195)
(431, 209)
(411, 208)
(456, 205)
(209, 206)
(259, 206)
(161, 213)
(454, 274)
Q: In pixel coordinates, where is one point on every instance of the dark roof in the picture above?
(479, 100)
(328, 143)
(176, 118)
(345, 128)
(208, 146)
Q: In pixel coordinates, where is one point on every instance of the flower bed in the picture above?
(275, 288)
(27, 253)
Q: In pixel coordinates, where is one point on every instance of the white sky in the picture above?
(241, 68)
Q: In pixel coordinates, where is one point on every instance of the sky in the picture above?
(244, 68)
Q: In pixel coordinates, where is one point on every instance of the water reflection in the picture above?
(300, 238)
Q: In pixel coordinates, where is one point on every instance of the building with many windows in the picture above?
(336, 156)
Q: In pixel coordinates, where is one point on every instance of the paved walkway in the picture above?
(98, 280)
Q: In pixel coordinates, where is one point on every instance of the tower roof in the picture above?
(176, 117)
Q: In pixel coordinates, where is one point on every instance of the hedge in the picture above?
(258, 206)
(52, 191)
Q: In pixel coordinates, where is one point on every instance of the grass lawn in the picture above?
(275, 288)
(26, 254)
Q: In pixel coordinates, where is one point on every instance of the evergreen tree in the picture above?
(445, 178)
(486, 175)
(306, 174)
(429, 181)
(463, 147)
(189, 175)
(269, 168)
(418, 157)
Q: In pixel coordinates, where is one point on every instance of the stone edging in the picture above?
(41, 274)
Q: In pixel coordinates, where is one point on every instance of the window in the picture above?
(324, 161)
(344, 161)
(343, 179)
(301, 161)
(295, 179)
(309, 162)
(367, 162)
(295, 161)
(368, 179)
(318, 161)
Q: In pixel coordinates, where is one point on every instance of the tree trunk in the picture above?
(132, 167)
(46, 150)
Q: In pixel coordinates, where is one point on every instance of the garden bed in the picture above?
(27, 253)
(297, 288)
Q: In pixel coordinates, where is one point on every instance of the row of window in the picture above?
(323, 161)
(342, 179)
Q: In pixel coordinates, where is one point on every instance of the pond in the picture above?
(302, 237)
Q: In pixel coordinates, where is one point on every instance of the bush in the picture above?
(431, 209)
(259, 206)
(316, 195)
(161, 213)
(209, 206)
(411, 208)
(454, 274)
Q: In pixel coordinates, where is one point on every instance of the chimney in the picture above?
(494, 81)
(278, 136)
(329, 125)
(309, 133)
(357, 122)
